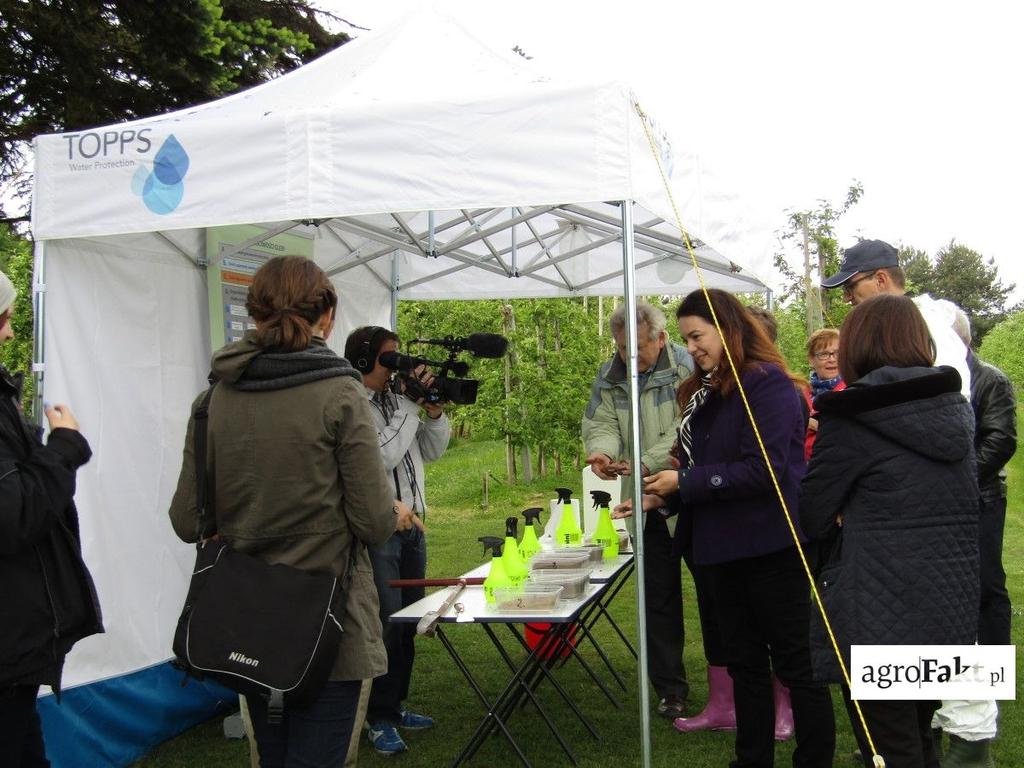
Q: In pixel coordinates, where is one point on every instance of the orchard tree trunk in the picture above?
(509, 325)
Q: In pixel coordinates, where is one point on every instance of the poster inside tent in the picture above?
(230, 270)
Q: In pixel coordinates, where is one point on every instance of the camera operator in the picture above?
(407, 440)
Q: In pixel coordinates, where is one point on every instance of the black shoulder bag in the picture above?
(259, 629)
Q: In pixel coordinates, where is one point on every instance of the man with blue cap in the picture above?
(872, 267)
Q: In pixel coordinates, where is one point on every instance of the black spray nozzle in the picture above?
(492, 543)
(511, 524)
(601, 499)
(532, 515)
(564, 495)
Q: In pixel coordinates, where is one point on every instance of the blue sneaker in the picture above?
(385, 739)
(412, 721)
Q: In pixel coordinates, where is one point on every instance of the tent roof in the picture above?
(421, 140)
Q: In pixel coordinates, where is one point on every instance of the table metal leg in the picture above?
(552, 643)
(602, 611)
(491, 715)
(529, 692)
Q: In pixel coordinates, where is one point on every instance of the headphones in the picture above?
(366, 355)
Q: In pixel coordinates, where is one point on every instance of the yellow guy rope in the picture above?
(878, 760)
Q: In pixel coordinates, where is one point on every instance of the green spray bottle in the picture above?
(496, 577)
(605, 533)
(568, 533)
(530, 545)
(514, 565)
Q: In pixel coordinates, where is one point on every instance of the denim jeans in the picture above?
(403, 556)
(316, 736)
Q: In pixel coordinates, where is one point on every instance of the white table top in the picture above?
(477, 610)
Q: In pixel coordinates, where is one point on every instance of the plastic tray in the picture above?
(559, 559)
(528, 598)
(572, 580)
(594, 551)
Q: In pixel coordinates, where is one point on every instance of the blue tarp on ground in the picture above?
(115, 722)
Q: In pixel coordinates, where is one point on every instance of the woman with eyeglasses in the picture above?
(823, 355)
(892, 490)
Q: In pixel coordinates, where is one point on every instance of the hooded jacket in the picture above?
(894, 461)
(49, 601)
(296, 476)
(606, 420)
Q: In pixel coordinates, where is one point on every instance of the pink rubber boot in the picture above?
(719, 713)
(783, 711)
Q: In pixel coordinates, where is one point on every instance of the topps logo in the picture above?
(241, 658)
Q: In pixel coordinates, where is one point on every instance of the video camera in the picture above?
(450, 382)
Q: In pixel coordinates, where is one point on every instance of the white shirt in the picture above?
(939, 314)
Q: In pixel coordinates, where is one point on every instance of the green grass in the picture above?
(454, 491)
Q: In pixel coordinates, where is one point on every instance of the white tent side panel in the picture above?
(127, 340)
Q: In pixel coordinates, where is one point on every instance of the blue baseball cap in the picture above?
(863, 257)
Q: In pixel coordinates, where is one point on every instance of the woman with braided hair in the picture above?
(297, 479)
(740, 538)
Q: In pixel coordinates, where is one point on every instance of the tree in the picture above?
(16, 263)
(917, 266)
(963, 276)
(1001, 347)
(71, 64)
(812, 233)
(554, 352)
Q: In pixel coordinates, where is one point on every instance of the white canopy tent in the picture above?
(423, 164)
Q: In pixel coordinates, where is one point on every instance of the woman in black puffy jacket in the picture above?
(891, 491)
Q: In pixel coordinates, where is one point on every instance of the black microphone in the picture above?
(477, 344)
(486, 344)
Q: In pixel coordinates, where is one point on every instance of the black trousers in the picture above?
(994, 615)
(901, 730)
(21, 736)
(711, 632)
(663, 610)
(764, 610)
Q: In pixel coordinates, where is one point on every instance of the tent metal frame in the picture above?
(470, 227)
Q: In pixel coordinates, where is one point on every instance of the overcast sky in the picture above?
(791, 101)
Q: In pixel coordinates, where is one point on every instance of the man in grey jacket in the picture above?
(407, 440)
(606, 438)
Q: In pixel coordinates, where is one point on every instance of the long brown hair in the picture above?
(287, 296)
(744, 334)
(884, 330)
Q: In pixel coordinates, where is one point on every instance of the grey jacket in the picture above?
(407, 442)
(606, 420)
(297, 474)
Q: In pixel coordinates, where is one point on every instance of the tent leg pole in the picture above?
(629, 285)
(38, 330)
(395, 276)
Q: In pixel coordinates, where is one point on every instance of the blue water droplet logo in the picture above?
(162, 187)
(171, 162)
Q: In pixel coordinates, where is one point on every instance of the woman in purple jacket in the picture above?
(740, 533)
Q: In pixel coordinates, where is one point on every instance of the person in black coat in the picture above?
(891, 489)
(49, 602)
